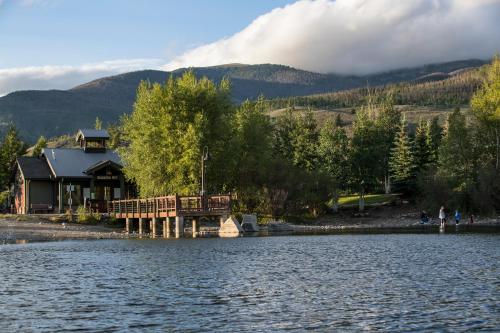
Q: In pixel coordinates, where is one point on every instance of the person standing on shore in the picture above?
(458, 216)
(442, 216)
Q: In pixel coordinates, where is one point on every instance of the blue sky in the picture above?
(70, 32)
(58, 44)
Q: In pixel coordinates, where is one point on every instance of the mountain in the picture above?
(58, 112)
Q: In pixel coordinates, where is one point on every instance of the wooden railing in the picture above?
(171, 206)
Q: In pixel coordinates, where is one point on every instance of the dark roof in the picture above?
(99, 165)
(72, 163)
(34, 167)
(91, 134)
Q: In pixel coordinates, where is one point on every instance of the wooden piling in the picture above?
(141, 226)
(153, 227)
(127, 225)
(179, 226)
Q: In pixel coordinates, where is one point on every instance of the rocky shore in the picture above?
(32, 229)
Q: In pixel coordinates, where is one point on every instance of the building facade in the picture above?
(62, 179)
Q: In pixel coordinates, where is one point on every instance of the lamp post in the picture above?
(204, 157)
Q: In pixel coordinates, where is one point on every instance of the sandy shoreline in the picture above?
(14, 231)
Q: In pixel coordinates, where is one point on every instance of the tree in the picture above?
(364, 153)
(40, 144)
(333, 154)
(388, 118)
(402, 162)
(10, 148)
(434, 137)
(486, 105)
(422, 149)
(253, 136)
(304, 140)
(456, 152)
(168, 130)
(98, 124)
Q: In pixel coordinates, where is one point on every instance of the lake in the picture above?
(394, 282)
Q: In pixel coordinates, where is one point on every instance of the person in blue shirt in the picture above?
(457, 216)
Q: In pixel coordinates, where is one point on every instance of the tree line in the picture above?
(291, 165)
(456, 90)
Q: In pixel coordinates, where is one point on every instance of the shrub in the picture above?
(86, 216)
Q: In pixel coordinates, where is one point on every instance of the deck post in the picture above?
(168, 231)
(179, 226)
(127, 225)
(153, 229)
(196, 227)
(141, 226)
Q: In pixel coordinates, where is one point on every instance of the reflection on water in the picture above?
(427, 282)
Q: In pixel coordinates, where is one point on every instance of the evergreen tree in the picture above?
(40, 144)
(333, 154)
(304, 141)
(98, 124)
(402, 161)
(422, 149)
(456, 150)
(434, 137)
(364, 153)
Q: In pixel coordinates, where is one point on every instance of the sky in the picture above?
(58, 44)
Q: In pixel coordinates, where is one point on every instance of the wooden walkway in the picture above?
(172, 206)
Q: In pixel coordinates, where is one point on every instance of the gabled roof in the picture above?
(34, 168)
(72, 163)
(87, 133)
(99, 165)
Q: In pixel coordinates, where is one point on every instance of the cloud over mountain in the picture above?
(359, 36)
(64, 77)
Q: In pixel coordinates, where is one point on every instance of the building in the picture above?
(65, 178)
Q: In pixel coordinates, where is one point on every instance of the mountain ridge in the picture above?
(58, 112)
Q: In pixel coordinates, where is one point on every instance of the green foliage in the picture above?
(86, 216)
(402, 161)
(252, 153)
(434, 137)
(10, 148)
(422, 149)
(98, 124)
(167, 131)
(486, 107)
(40, 144)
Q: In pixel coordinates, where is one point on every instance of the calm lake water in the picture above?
(393, 283)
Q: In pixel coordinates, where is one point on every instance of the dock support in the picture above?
(127, 225)
(153, 227)
(179, 226)
(166, 227)
(196, 227)
(141, 226)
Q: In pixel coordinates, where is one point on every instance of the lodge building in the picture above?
(66, 178)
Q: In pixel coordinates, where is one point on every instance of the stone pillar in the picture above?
(179, 226)
(196, 227)
(141, 226)
(127, 225)
(153, 229)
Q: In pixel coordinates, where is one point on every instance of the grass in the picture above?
(369, 199)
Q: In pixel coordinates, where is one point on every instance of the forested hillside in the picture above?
(57, 112)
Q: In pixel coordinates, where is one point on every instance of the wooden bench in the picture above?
(41, 208)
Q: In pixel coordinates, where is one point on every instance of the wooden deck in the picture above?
(172, 206)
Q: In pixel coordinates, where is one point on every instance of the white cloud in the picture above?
(64, 77)
(359, 36)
